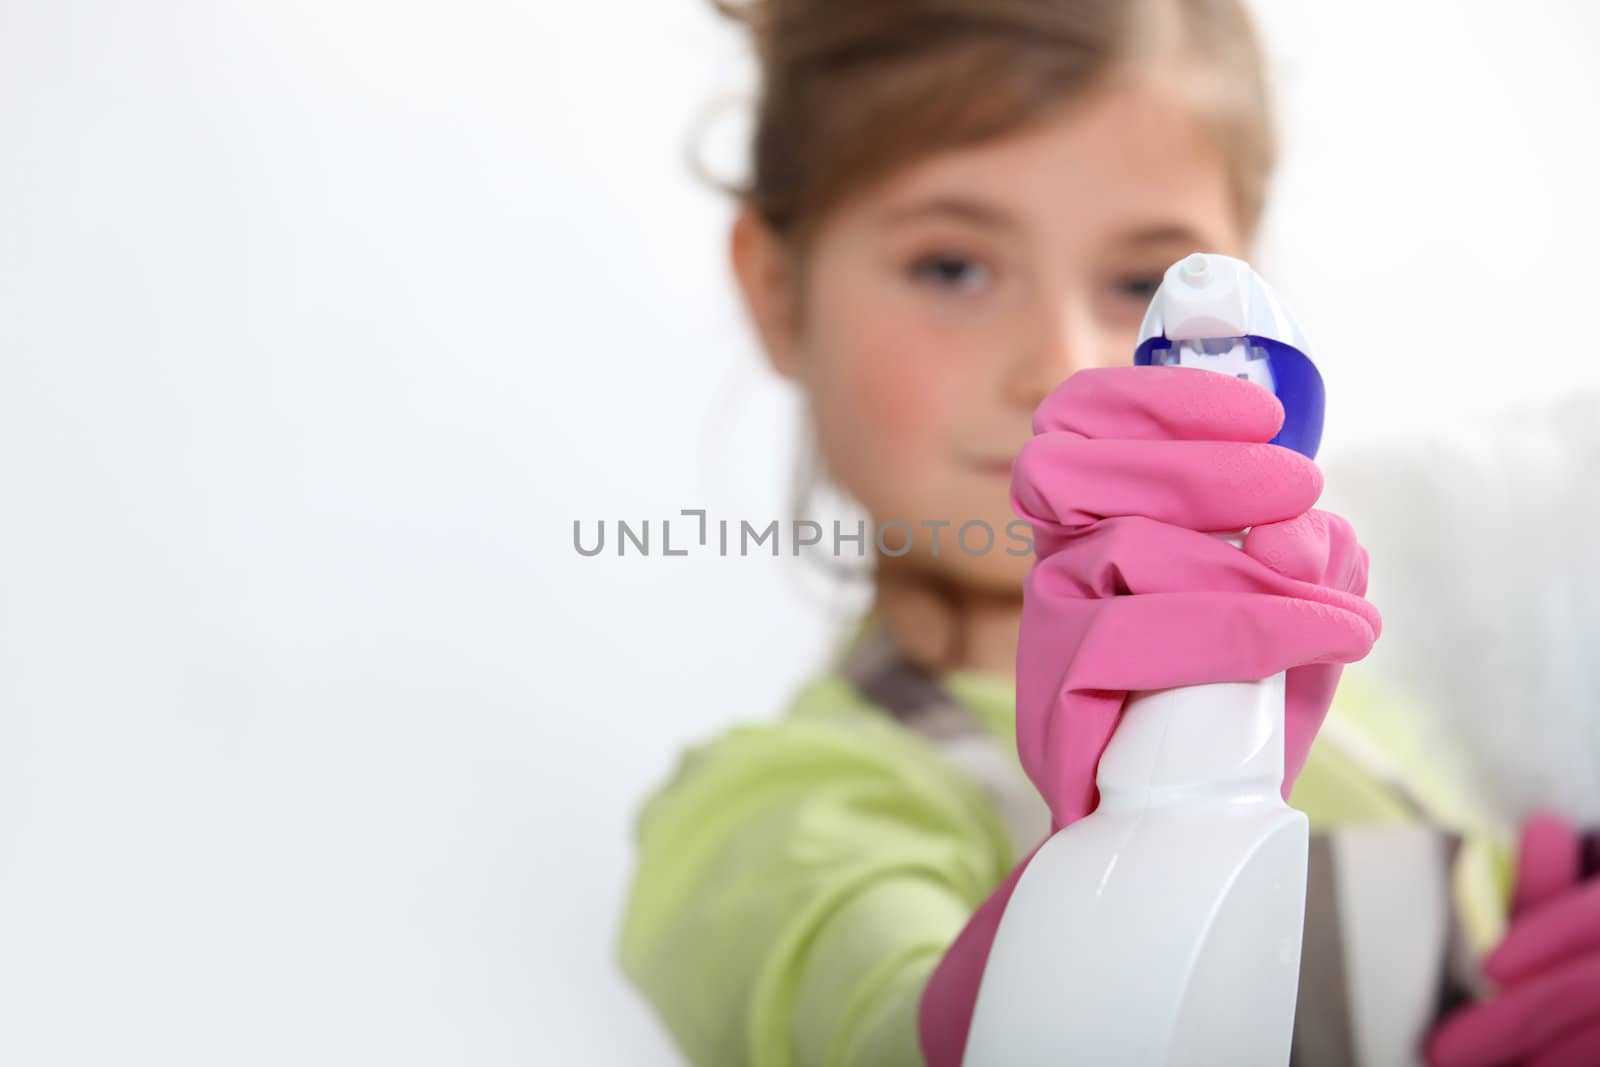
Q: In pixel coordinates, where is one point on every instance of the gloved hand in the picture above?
(1546, 1012)
(1129, 471)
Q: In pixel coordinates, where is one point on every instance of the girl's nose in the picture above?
(1065, 342)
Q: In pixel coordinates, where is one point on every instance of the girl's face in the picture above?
(938, 308)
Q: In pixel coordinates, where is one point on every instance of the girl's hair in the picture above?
(854, 89)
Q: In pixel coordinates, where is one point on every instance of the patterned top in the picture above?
(799, 879)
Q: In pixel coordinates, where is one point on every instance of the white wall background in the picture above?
(319, 324)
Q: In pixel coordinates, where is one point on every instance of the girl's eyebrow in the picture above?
(1164, 233)
(964, 208)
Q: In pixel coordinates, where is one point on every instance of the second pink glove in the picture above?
(1546, 1011)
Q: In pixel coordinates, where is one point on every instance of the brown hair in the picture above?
(853, 89)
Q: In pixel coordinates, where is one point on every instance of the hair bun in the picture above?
(757, 17)
(851, 89)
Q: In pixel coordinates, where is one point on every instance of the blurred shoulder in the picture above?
(828, 741)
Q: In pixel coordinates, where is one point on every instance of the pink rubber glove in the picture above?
(1546, 1012)
(1129, 471)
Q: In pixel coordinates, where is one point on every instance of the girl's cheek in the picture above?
(896, 372)
(895, 393)
(878, 416)
(884, 396)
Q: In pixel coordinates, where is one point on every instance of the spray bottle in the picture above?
(1164, 928)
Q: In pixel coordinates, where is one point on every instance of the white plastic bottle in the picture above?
(1164, 928)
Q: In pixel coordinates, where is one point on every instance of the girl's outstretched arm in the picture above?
(798, 882)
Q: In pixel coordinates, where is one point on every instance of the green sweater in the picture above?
(799, 879)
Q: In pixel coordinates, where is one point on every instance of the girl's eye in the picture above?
(950, 272)
(1140, 289)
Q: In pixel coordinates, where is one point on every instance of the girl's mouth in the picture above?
(997, 467)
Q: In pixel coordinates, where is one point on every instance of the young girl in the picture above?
(957, 213)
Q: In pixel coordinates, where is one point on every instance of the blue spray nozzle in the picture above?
(1215, 312)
